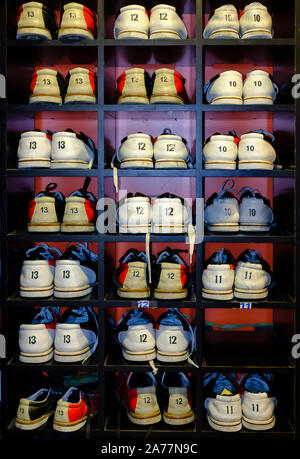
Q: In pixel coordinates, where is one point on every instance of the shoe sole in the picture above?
(32, 425)
(73, 356)
(135, 229)
(265, 165)
(257, 33)
(254, 100)
(251, 294)
(132, 34)
(233, 100)
(224, 33)
(152, 419)
(78, 228)
(36, 293)
(247, 227)
(165, 34)
(138, 356)
(45, 99)
(60, 164)
(168, 229)
(224, 427)
(36, 358)
(72, 33)
(174, 420)
(75, 293)
(80, 99)
(171, 357)
(258, 425)
(224, 227)
(165, 99)
(77, 425)
(142, 293)
(162, 295)
(133, 100)
(33, 33)
(38, 162)
(43, 227)
(229, 165)
(221, 296)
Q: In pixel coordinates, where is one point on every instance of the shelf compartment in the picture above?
(118, 60)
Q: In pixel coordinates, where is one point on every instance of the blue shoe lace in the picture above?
(46, 315)
(45, 251)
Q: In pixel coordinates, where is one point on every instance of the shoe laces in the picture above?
(46, 315)
(42, 247)
(82, 192)
(82, 252)
(49, 192)
(227, 189)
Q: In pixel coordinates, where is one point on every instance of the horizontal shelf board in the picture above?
(16, 300)
(249, 42)
(149, 43)
(12, 43)
(275, 300)
(271, 237)
(152, 172)
(248, 108)
(15, 364)
(47, 431)
(115, 362)
(149, 107)
(52, 172)
(113, 300)
(52, 237)
(249, 368)
(52, 108)
(249, 173)
(141, 237)
(118, 421)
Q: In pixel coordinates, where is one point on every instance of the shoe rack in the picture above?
(264, 349)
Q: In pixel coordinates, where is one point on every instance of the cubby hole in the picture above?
(113, 350)
(283, 14)
(119, 59)
(19, 122)
(281, 388)
(248, 337)
(277, 61)
(279, 191)
(281, 125)
(59, 381)
(54, 5)
(185, 8)
(117, 125)
(16, 257)
(20, 191)
(25, 63)
(281, 260)
(114, 252)
(116, 413)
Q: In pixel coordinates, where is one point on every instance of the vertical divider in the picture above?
(297, 220)
(3, 221)
(101, 157)
(199, 219)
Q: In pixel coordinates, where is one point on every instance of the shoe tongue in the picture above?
(45, 316)
(257, 384)
(224, 386)
(222, 257)
(138, 318)
(226, 392)
(251, 256)
(73, 253)
(171, 318)
(75, 316)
